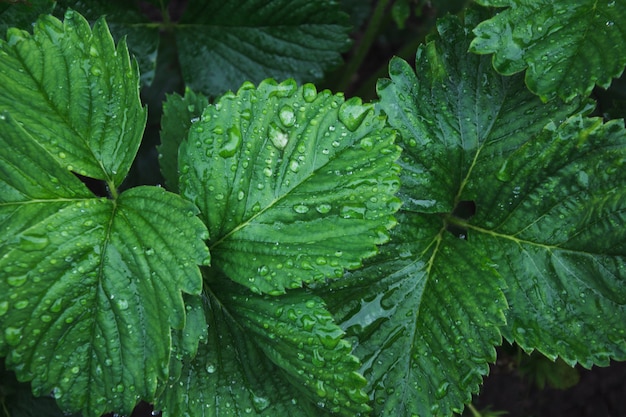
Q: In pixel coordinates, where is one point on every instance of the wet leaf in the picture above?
(557, 43)
(126, 22)
(222, 44)
(90, 287)
(282, 175)
(76, 93)
(278, 356)
(179, 112)
(510, 210)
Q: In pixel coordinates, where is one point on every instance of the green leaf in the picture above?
(91, 287)
(222, 44)
(426, 313)
(264, 355)
(125, 21)
(178, 115)
(76, 93)
(556, 42)
(22, 14)
(282, 175)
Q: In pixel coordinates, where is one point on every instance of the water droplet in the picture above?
(263, 270)
(294, 166)
(13, 335)
(366, 144)
(4, 307)
(309, 92)
(442, 390)
(62, 155)
(287, 116)
(16, 281)
(301, 208)
(33, 243)
(278, 137)
(233, 143)
(122, 304)
(352, 113)
(75, 370)
(503, 174)
(96, 71)
(353, 211)
(210, 368)
(323, 208)
(20, 305)
(240, 195)
(260, 403)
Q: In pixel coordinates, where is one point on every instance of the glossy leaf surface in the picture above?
(279, 356)
(179, 112)
(76, 93)
(501, 219)
(557, 43)
(90, 287)
(282, 175)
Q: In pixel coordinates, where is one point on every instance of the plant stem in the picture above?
(474, 411)
(364, 45)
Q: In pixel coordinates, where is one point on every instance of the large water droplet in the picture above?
(503, 174)
(353, 211)
(4, 307)
(352, 113)
(323, 208)
(232, 145)
(301, 208)
(278, 137)
(34, 242)
(287, 116)
(309, 92)
(16, 281)
(13, 335)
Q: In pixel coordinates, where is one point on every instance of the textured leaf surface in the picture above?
(125, 21)
(90, 287)
(222, 44)
(267, 356)
(76, 93)
(282, 175)
(22, 14)
(179, 112)
(566, 47)
(492, 208)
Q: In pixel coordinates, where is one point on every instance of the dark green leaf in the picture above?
(178, 115)
(76, 93)
(566, 47)
(426, 313)
(22, 13)
(224, 43)
(282, 175)
(265, 356)
(125, 22)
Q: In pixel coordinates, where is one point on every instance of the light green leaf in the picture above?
(90, 286)
(556, 42)
(178, 115)
(426, 313)
(222, 44)
(267, 356)
(76, 93)
(282, 175)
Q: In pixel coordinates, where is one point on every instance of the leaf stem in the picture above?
(112, 189)
(364, 45)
